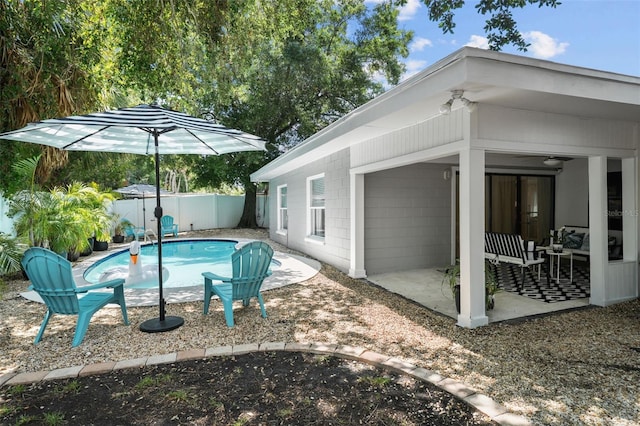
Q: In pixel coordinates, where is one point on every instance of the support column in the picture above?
(630, 210)
(356, 206)
(472, 291)
(598, 249)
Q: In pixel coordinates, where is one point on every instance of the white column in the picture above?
(472, 291)
(630, 210)
(598, 249)
(356, 206)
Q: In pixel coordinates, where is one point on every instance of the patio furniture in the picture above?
(250, 265)
(559, 255)
(511, 248)
(135, 232)
(168, 227)
(51, 277)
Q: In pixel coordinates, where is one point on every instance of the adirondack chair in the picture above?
(168, 227)
(250, 265)
(135, 232)
(52, 279)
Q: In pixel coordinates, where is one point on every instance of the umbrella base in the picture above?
(156, 325)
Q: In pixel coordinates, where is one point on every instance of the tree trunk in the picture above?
(248, 219)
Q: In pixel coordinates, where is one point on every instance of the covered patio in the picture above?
(424, 286)
(413, 179)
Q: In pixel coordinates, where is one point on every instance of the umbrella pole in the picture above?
(162, 323)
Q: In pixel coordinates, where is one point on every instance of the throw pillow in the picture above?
(585, 243)
(573, 240)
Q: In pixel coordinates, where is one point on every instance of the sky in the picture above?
(596, 34)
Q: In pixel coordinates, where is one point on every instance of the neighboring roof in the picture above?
(486, 77)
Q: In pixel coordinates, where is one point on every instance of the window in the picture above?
(283, 218)
(316, 203)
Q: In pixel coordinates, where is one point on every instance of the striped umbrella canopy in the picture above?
(144, 129)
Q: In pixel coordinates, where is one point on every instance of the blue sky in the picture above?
(597, 34)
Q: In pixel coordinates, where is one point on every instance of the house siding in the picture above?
(407, 219)
(436, 131)
(336, 246)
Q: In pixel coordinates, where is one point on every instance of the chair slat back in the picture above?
(250, 266)
(166, 221)
(52, 278)
(505, 245)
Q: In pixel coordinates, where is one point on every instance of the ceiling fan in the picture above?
(553, 161)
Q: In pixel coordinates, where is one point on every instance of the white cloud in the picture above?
(419, 43)
(413, 67)
(409, 10)
(544, 46)
(478, 41)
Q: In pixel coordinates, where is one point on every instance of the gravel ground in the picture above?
(581, 367)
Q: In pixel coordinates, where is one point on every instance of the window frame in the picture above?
(313, 237)
(280, 228)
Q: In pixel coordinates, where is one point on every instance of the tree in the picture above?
(281, 70)
(500, 27)
(44, 72)
(312, 62)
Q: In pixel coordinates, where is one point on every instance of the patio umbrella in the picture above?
(144, 129)
(141, 190)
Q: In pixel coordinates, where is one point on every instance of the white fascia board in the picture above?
(557, 79)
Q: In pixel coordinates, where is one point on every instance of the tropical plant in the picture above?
(10, 254)
(62, 219)
(451, 279)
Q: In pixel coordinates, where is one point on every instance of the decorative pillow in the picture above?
(573, 240)
(585, 243)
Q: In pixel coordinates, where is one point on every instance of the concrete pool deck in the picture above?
(293, 269)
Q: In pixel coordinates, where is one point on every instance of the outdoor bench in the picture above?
(511, 248)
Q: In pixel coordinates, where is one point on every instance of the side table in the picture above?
(556, 256)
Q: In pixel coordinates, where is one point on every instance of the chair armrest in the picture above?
(117, 282)
(215, 277)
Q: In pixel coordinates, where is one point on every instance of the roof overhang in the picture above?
(487, 77)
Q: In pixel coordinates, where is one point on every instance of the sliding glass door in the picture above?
(520, 204)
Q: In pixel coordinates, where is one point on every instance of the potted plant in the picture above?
(452, 280)
(63, 219)
(118, 229)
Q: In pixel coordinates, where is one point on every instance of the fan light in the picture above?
(552, 162)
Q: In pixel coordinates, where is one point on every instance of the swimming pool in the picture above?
(185, 261)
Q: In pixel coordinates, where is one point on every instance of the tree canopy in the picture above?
(279, 69)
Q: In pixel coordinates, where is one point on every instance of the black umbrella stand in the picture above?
(162, 323)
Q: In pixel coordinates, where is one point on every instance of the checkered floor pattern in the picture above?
(509, 279)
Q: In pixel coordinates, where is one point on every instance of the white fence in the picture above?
(190, 211)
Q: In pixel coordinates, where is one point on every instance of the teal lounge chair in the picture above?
(52, 279)
(250, 266)
(168, 227)
(135, 232)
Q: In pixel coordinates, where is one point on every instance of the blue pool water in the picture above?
(185, 260)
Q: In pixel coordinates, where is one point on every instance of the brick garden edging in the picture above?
(480, 402)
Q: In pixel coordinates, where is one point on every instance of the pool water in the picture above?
(185, 261)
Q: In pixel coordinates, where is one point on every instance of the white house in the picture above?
(402, 183)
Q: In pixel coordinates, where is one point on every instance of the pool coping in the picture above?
(293, 269)
(486, 405)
